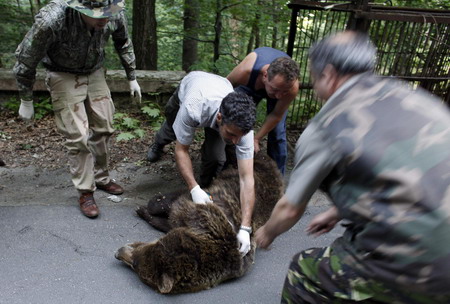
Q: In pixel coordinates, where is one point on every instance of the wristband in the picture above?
(246, 228)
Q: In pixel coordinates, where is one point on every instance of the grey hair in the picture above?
(353, 54)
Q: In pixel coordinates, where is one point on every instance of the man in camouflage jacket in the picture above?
(69, 38)
(382, 153)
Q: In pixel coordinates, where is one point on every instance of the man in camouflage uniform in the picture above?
(382, 153)
(69, 37)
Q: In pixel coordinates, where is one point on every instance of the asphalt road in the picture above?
(51, 253)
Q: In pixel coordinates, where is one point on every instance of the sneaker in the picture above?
(155, 152)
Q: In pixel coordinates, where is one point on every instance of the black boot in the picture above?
(155, 152)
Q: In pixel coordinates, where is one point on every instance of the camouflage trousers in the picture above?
(84, 115)
(317, 276)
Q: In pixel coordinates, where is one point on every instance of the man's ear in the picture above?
(331, 78)
(219, 118)
(265, 77)
(329, 73)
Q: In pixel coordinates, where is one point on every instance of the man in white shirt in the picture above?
(208, 101)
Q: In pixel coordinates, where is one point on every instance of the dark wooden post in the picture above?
(356, 21)
(292, 31)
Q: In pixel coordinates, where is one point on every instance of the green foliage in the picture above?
(127, 127)
(169, 16)
(42, 108)
(261, 110)
(4, 136)
(16, 21)
(238, 19)
(130, 127)
(125, 136)
(224, 65)
(153, 114)
(246, 24)
(26, 147)
(302, 110)
(434, 4)
(199, 136)
(12, 104)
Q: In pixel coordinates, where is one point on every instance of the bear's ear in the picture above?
(165, 284)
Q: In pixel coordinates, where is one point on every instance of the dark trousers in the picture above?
(165, 134)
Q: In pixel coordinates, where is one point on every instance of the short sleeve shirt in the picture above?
(315, 158)
(200, 96)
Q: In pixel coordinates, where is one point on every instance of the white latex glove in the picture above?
(199, 196)
(26, 109)
(135, 90)
(244, 241)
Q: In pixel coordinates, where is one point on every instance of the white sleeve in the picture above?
(245, 148)
(184, 126)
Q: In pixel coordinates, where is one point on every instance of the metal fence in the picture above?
(412, 44)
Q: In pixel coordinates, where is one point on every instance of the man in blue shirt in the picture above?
(271, 74)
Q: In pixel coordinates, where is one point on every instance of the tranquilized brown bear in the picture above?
(200, 249)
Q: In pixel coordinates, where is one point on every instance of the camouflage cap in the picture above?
(98, 8)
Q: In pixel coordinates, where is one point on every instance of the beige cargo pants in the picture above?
(84, 115)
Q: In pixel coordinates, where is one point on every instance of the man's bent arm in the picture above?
(247, 190)
(124, 46)
(241, 73)
(274, 117)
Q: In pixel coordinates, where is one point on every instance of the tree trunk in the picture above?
(144, 34)
(217, 30)
(251, 41)
(255, 37)
(190, 38)
(32, 9)
(276, 20)
(257, 24)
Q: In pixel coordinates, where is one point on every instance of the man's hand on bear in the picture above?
(243, 237)
(199, 196)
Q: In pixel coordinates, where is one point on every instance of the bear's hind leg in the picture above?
(160, 204)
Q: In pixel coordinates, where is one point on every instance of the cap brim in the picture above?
(101, 12)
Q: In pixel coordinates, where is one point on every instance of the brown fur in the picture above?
(200, 249)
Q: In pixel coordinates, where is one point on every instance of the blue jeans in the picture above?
(276, 139)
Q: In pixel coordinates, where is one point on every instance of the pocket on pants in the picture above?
(66, 89)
